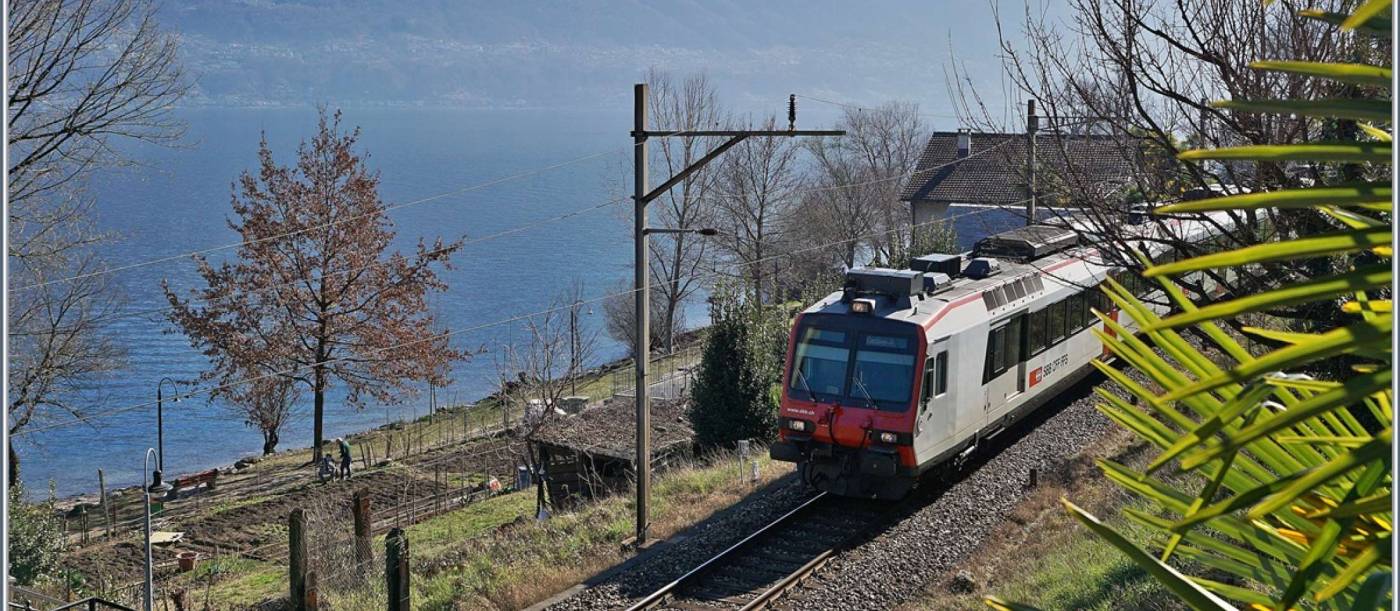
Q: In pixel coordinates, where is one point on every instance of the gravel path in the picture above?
(939, 525)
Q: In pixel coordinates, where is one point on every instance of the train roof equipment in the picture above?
(982, 267)
(1027, 243)
(894, 283)
(951, 265)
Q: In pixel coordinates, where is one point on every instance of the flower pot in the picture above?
(187, 560)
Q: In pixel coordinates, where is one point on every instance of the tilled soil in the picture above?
(941, 522)
(258, 529)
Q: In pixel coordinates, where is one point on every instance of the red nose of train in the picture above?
(841, 425)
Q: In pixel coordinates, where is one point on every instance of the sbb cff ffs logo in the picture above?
(1048, 369)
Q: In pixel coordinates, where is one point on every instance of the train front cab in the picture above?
(848, 407)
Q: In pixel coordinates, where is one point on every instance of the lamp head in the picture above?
(708, 231)
(158, 488)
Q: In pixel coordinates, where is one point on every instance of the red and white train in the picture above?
(904, 370)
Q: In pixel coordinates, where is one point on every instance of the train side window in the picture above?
(936, 376)
(1054, 323)
(1077, 309)
(929, 367)
(1036, 331)
(940, 378)
(996, 354)
(1013, 346)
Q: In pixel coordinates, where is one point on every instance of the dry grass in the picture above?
(1043, 557)
(492, 554)
(528, 561)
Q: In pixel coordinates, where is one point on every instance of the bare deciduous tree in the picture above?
(619, 318)
(82, 74)
(265, 404)
(1147, 73)
(315, 287)
(583, 337)
(677, 260)
(754, 197)
(859, 177)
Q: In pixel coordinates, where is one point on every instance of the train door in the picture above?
(1003, 374)
(937, 415)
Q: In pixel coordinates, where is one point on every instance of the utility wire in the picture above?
(224, 386)
(422, 200)
(564, 216)
(338, 221)
(850, 106)
(214, 389)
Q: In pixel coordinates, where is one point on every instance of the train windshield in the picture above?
(854, 361)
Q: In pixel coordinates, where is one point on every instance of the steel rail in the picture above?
(656, 598)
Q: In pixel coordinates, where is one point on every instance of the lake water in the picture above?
(178, 201)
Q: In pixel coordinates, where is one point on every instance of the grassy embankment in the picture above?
(493, 555)
(1043, 557)
(452, 422)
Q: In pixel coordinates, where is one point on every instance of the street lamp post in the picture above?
(154, 490)
(160, 420)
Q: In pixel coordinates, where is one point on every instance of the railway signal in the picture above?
(642, 196)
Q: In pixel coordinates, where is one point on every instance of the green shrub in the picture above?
(742, 360)
(36, 538)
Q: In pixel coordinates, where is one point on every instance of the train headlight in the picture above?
(863, 306)
(798, 425)
(889, 437)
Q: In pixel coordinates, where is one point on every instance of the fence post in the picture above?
(396, 569)
(296, 557)
(309, 602)
(106, 511)
(363, 554)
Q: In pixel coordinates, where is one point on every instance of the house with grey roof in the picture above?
(989, 169)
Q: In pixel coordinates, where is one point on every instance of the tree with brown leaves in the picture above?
(315, 294)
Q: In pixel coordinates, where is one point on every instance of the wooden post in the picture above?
(309, 602)
(106, 510)
(396, 569)
(363, 520)
(296, 557)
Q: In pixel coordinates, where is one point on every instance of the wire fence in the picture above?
(669, 376)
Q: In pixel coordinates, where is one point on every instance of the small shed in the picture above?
(593, 453)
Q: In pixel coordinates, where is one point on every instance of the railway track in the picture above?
(763, 566)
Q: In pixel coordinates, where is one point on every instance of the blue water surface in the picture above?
(176, 200)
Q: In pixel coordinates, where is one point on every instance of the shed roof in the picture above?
(610, 429)
(993, 172)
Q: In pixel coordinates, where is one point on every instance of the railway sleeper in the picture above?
(803, 544)
(737, 596)
(752, 562)
(829, 524)
(751, 572)
(782, 553)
